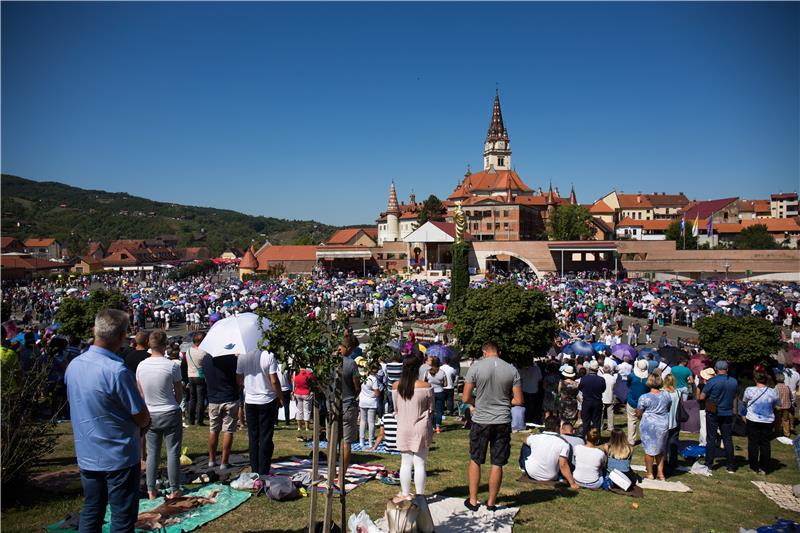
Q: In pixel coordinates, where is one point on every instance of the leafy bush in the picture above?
(748, 339)
(521, 322)
(77, 315)
(27, 437)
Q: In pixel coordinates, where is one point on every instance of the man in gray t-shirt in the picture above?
(497, 386)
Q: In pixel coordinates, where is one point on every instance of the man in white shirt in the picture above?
(607, 373)
(548, 455)
(258, 371)
(449, 386)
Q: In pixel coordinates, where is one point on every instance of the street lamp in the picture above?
(727, 265)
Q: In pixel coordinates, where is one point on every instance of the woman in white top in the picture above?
(159, 382)
(438, 380)
(590, 462)
(368, 403)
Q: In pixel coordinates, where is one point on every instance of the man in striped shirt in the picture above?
(393, 371)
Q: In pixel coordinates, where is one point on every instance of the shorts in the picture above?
(498, 436)
(350, 422)
(223, 417)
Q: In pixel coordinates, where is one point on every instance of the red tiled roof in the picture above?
(287, 253)
(28, 263)
(489, 180)
(600, 207)
(706, 209)
(35, 243)
(667, 200)
(761, 206)
(249, 260)
(774, 225)
(346, 235)
(633, 201)
(124, 243)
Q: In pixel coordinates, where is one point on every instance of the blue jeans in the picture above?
(438, 398)
(119, 488)
(449, 395)
(725, 425)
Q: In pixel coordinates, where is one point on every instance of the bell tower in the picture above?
(496, 149)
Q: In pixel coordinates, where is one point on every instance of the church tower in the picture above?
(392, 216)
(496, 149)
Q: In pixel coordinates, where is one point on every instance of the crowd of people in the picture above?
(152, 386)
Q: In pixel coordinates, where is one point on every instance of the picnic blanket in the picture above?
(356, 447)
(668, 486)
(450, 516)
(782, 495)
(356, 474)
(189, 473)
(227, 500)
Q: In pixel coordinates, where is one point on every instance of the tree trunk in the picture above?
(312, 515)
(342, 476)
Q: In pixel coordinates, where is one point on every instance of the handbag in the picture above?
(683, 415)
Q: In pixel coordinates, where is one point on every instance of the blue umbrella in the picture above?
(582, 348)
(439, 350)
(564, 335)
(601, 347)
(644, 351)
(568, 349)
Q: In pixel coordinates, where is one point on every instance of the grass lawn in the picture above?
(721, 503)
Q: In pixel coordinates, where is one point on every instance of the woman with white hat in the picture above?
(705, 375)
(568, 396)
(637, 385)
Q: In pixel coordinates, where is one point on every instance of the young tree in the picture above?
(432, 209)
(459, 274)
(76, 315)
(570, 223)
(755, 237)
(748, 339)
(673, 233)
(520, 321)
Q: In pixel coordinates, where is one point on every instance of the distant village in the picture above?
(507, 223)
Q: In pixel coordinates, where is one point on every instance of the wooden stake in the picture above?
(312, 517)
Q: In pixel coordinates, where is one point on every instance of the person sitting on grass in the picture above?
(590, 462)
(568, 434)
(546, 456)
(387, 433)
(619, 454)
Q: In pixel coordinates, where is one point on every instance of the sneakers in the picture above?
(212, 464)
(438, 429)
(471, 507)
(224, 466)
(731, 471)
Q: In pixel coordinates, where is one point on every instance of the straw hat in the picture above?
(569, 372)
(640, 369)
(707, 373)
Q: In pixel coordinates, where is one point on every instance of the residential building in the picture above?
(642, 230)
(10, 245)
(46, 248)
(783, 205)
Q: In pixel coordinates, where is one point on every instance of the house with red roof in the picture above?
(783, 205)
(44, 248)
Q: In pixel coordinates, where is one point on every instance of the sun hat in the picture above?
(569, 372)
(707, 373)
(593, 366)
(640, 370)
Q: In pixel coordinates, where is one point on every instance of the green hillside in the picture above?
(73, 216)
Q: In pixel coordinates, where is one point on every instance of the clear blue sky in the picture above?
(308, 110)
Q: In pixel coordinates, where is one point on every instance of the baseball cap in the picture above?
(721, 365)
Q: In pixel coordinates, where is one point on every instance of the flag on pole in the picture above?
(683, 225)
(696, 226)
(710, 226)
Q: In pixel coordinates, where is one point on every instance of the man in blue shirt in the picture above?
(108, 416)
(721, 392)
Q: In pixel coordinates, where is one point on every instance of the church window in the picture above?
(500, 161)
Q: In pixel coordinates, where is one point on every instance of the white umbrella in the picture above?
(723, 303)
(236, 334)
(73, 290)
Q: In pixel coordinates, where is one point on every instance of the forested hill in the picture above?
(74, 215)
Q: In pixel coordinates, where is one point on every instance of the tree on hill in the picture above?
(520, 321)
(748, 339)
(755, 237)
(673, 233)
(570, 223)
(432, 209)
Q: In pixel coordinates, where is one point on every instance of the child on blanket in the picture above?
(387, 434)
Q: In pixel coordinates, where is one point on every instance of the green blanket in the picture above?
(227, 500)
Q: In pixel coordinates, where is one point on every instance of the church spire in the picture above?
(393, 207)
(496, 149)
(572, 199)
